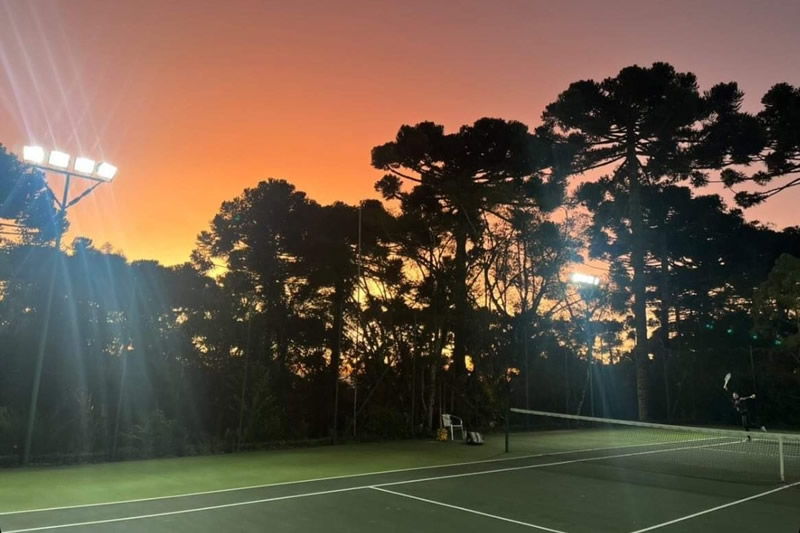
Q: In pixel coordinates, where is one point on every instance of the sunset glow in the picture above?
(196, 100)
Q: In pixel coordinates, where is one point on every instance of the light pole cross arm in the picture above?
(82, 195)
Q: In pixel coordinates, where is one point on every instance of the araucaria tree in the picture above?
(648, 126)
(464, 176)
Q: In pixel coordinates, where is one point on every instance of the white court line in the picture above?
(473, 511)
(541, 465)
(296, 482)
(332, 478)
(719, 507)
(184, 511)
(333, 491)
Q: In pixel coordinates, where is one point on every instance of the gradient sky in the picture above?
(195, 100)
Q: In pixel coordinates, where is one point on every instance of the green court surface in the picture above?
(559, 481)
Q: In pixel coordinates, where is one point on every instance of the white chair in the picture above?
(452, 422)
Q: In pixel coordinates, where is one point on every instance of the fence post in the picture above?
(508, 415)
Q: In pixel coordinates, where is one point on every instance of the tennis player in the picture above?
(740, 404)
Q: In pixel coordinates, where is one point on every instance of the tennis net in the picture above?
(720, 454)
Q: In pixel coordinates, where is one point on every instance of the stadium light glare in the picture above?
(584, 279)
(33, 154)
(83, 168)
(84, 165)
(58, 159)
(106, 171)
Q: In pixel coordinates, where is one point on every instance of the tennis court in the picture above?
(574, 480)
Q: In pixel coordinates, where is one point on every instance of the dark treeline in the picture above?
(296, 322)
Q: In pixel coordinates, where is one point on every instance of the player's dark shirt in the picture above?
(741, 405)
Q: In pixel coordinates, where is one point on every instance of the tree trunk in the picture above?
(664, 320)
(523, 264)
(680, 360)
(589, 384)
(524, 332)
(336, 331)
(436, 357)
(413, 421)
(284, 375)
(639, 288)
(461, 301)
(336, 349)
(590, 356)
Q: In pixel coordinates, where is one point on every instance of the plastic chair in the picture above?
(452, 422)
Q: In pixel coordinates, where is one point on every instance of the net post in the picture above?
(508, 415)
(780, 458)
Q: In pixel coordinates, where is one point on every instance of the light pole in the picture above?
(590, 282)
(82, 168)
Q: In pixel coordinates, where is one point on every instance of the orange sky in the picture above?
(195, 100)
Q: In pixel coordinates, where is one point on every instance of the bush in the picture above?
(10, 426)
(158, 436)
(385, 422)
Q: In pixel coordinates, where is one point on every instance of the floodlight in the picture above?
(585, 279)
(106, 171)
(84, 165)
(33, 154)
(59, 159)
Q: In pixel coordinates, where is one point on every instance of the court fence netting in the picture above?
(720, 454)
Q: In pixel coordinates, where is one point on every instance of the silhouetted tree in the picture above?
(463, 175)
(651, 125)
(780, 120)
(26, 203)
